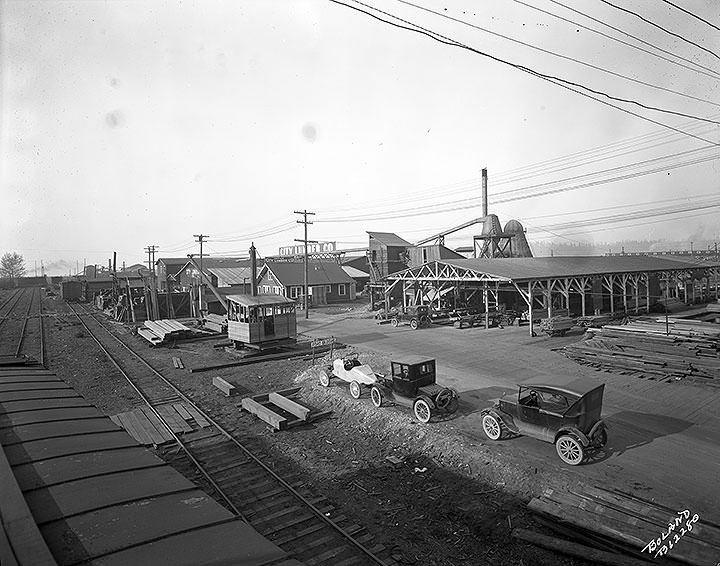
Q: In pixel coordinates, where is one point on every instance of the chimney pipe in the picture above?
(253, 271)
(484, 193)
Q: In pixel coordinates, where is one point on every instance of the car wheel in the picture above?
(394, 321)
(355, 390)
(492, 427)
(324, 378)
(422, 410)
(570, 450)
(602, 438)
(376, 397)
(414, 324)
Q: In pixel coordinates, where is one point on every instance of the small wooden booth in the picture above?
(263, 320)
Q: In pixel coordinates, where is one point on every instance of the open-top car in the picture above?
(411, 383)
(418, 316)
(351, 370)
(566, 415)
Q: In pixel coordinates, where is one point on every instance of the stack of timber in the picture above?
(216, 323)
(689, 350)
(556, 325)
(159, 331)
(625, 524)
(594, 321)
(280, 411)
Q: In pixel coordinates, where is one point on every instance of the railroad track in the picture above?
(21, 325)
(281, 509)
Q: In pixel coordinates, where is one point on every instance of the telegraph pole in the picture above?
(200, 239)
(305, 221)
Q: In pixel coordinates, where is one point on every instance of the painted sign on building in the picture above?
(315, 248)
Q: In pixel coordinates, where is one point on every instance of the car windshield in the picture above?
(546, 400)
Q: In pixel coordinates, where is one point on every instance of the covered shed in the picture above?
(259, 320)
(596, 283)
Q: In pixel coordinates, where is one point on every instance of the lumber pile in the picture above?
(691, 349)
(594, 321)
(556, 325)
(627, 525)
(160, 331)
(215, 322)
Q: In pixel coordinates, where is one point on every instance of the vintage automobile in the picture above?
(411, 383)
(566, 415)
(417, 315)
(351, 370)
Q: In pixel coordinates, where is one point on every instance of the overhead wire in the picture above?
(638, 39)
(574, 60)
(691, 14)
(712, 74)
(568, 85)
(658, 26)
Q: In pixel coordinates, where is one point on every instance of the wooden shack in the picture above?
(261, 320)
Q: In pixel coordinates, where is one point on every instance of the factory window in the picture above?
(341, 289)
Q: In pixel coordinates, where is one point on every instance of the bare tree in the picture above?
(12, 265)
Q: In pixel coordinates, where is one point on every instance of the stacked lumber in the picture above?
(594, 321)
(625, 524)
(215, 322)
(556, 325)
(159, 331)
(689, 350)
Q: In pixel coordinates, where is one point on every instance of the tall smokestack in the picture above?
(484, 193)
(253, 271)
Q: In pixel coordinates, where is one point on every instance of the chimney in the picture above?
(253, 271)
(484, 193)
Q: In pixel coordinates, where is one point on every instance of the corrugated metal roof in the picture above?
(260, 299)
(319, 273)
(231, 275)
(532, 268)
(354, 273)
(390, 239)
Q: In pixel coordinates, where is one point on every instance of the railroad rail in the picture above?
(281, 509)
(21, 325)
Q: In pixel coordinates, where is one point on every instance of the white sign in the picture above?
(316, 248)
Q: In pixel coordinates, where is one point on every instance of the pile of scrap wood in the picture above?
(556, 325)
(216, 322)
(159, 331)
(625, 525)
(676, 350)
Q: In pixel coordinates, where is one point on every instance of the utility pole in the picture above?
(200, 239)
(305, 221)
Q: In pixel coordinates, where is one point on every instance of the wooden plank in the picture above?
(131, 426)
(147, 425)
(114, 419)
(227, 388)
(199, 419)
(290, 406)
(173, 419)
(266, 414)
(160, 426)
(182, 411)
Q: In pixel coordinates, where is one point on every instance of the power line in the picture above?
(691, 14)
(712, 74)
(644, 19)
(638, 39)
(554, 80)
(590, 65)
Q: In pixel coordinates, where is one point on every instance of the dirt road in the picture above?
(664, 439)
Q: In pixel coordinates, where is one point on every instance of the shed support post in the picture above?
(636, 291)
(485, 300)
(624, 279)
(549, 298)
(612, 294)
(530, 307)
(647, 293)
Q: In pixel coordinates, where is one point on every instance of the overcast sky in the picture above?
(128, 124)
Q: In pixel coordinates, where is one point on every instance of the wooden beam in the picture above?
(266, 414)
(224, 386)
(290, 406)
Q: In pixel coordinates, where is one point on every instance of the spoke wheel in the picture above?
(491, 427)
(422, 410)
(324, 378)
(414, 324)
(570, 450)
(394, 322)
(376, 397)
(355, 390)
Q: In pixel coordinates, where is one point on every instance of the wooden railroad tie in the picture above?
(279, 411)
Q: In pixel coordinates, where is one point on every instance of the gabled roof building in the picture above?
(327, 281)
